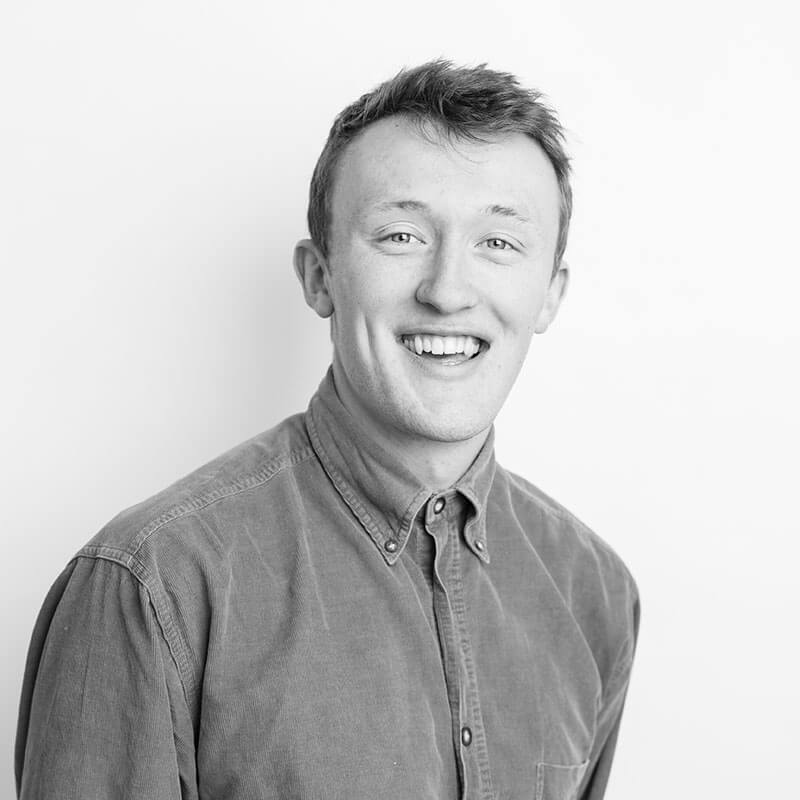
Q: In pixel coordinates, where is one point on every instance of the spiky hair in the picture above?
(472, 103)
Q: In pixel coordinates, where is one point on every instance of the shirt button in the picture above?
(390, 545)
(466, 736)
(438, 505)
(479, 545)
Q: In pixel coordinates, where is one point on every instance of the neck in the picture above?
(440, 464)
(437, 464)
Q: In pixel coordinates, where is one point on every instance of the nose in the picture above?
(447, 284)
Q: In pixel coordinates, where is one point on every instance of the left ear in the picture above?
(555, 294)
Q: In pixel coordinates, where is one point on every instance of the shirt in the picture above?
(303, 618)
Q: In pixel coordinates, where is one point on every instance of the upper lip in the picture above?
(435, 330)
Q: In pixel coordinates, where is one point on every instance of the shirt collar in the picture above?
(381, 491)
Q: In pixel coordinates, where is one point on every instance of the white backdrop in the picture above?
(154, 162)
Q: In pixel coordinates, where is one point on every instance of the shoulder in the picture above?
(592, 579)
(187, 518)
(559, 537)
(188, 546)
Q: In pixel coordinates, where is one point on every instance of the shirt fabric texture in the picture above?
(303, 618)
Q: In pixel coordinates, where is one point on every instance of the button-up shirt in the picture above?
(304, 618)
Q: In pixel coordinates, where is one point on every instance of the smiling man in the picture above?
(434, 259)
(361, 602)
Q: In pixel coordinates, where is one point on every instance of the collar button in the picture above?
(438, 505)
(390, 545)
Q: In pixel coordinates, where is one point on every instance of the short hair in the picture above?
(472, 103)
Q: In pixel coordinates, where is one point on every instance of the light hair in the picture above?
(470, 103)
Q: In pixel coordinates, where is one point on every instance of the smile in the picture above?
(448, 350)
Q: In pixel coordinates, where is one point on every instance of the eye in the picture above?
(496, 243)
(401, 237)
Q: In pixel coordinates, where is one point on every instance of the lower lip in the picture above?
(441, 364)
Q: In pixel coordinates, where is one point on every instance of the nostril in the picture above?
(446, 295)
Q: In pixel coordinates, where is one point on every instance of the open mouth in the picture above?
(448, 350)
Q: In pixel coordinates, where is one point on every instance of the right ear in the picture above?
(311, 269)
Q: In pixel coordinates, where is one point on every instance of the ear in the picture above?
(555, 294)
(311, 269)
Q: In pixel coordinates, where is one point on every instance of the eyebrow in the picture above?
(418, 205)
(404, 205)
(505, 211)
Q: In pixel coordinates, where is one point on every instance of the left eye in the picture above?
(401, 237)
(498, 244)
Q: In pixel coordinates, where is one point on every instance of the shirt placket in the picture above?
(449, 606)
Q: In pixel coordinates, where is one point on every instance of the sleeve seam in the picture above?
(621, 670)
(169, 632)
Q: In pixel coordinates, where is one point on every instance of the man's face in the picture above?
(436, 248)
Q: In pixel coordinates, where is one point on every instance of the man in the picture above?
(360, 602)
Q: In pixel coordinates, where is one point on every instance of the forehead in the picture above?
(391, 160)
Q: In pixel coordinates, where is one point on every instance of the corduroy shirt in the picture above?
(303, 618)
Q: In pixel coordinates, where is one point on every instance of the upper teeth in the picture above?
(441, 345)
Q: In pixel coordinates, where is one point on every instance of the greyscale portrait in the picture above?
(361, 602)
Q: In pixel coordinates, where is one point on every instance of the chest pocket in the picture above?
(558, 782)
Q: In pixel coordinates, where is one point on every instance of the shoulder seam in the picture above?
(248, 481)
(555, 510)
(553, 507)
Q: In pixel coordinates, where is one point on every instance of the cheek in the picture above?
(374, 288)
(366, 308)
(518, 306)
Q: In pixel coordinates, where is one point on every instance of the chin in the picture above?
(448, 427)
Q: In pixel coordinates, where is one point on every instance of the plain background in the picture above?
(155, 158)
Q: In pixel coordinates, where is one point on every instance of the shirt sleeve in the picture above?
(597, 773)
(103, 713)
